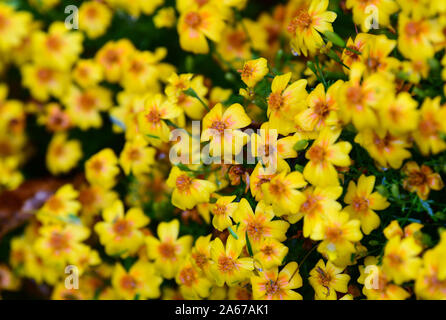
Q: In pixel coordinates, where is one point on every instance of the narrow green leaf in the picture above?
(248, 244)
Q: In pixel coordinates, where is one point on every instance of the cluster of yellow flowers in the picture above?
(316, 99)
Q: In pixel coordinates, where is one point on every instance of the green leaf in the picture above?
(335, 38)
(233, 233)
(300, 145)
(248, 244)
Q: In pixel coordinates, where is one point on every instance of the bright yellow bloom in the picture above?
(93, 200)
(151, 120)
(307, 25)
(323, 155)
(169, 250)
(137, 157)
(94, 18)
(385, 148)
(322, 108)
(259, 225)
(399, 114)
(87, 73)
(317, 201)
(430, 126)
(362, 202)
(112, 57)
(275, 285)
(270, 253)
(201, 254)
(60, 245)
(285, 102)
(196, 25)
(375, 55)
(188, 191)
(421, 180)
(254, 71)
(338, 234)
(221, 127)
(14, 26)
(327, 279)
(227, 265)
(281, 192)
(377, 286)
(416, 37)
(59, 48)
(261, 175)
(401, 262)
(119, 233)
(102, 168)
(62, 155)
(141, 281)
(84, 106)
(364, 11)
(349, 57)
(60, 206)
(193, 284)
(165, 18)
(223, 211)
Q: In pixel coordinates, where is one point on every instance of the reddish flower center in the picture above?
(128, 283)
(275, 100)
(122, 228)
(183, 182)
(193, 20)
(188, 276)
(361, 204)
(316, 154)
(220, 126)
(226, 264)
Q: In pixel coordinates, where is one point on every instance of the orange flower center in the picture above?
(218, 125)
(237, 39)
(413, 29)
(226, 264)
(183, 182)
(200, 260)
(316, 154)
(128, 283)
(219, 209)
(193, 20)
(322, 109)
(277, 188)
(355, 95)
(255, 230)
(45, 75)
(428, 126)
(310, 205)
(122, 228)
(111, 57)
(59, 241)
(247, 71)
(275, 100)
(87, 197)
(167, 250)
(361, 204)
(153, 116)
(92, 13)
(97, 165)
(417, 178)
(324, 277)
(302, 20)
(188, 276)
(267, 250)
(395, 259)
(87, 102)
(55, 204)
(4, 21)
(333, 233)
(134, 154)
(54, 43)
(272, 287)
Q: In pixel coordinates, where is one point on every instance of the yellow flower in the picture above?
(401, 262)
(201, 254)
(221, 127)
(285, 102)
(281, 192)
(421, 180)
(338, 234)
(94, 18)
(322, 108)
(93, 200)
(261, 175)
(227, 265)
(399, 114)
(165, 18)
(274, 285)
(60, 245)
(169, 250)
(377, 286)
(327, 279)
(362, 202)
(59, 48)
(188, 191)
(375, 55)
(62, 155)
(195, 25)
(44, 82)
(270, 253)
(193, 284)
(60, 206)
(427, 136)
(323, 155)
(151, 120)
(259, 225)
(317, 201)
(364, 11)
(141, 281)
(112, 57)
(137, 157)
(119, 233)
(101, 169)
(223, 211)
(87, 73)
(416, 37)
(253, 71)
(385, 148)
(14, 26)
(307, 25)
(349, 56)
(84, 106)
